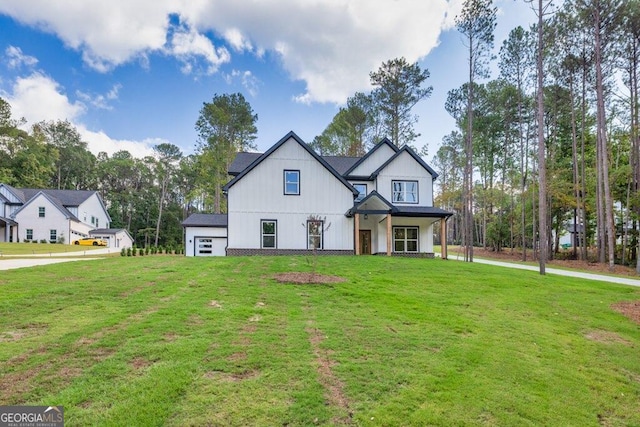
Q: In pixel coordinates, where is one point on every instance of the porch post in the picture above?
(357, 236)
(443, 238)
(388, 234)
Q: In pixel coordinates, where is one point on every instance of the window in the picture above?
(292, 182)
(41, 212)
(29, 234)
(405, 239)
(314, 234)
(93, 219)
(268, 233)
(405, 191)
(362, 191)
(97, 223)
(53, 236)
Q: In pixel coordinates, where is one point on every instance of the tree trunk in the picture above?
(542, 172)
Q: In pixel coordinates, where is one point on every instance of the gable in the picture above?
(308, 155)
(371, 161)
(31, 207)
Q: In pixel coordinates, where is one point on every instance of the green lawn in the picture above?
(193, 341)
(42, 248)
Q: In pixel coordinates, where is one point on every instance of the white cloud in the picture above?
(39, 98)
(331, 45)
(100, 101)
(249, 81)
(16, 59)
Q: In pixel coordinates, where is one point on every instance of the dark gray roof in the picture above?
(19, 194)
(420, 211)
(107, 231)
(205, 220)
(341, 163)
(241, 162)
(65, 197)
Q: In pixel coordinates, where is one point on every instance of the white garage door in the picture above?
(210, 246)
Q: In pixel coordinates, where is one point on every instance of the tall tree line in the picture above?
(564, 107)
(148, 196)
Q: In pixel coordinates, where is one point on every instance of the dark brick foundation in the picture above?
(274, 252)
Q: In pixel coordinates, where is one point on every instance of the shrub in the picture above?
(123, 252)
(25, 241)
(141, 252)
(34, 241)
(43, 240)
(128, 251)
(133, 251)
(146, 250)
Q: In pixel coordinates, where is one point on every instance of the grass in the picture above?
(41, 248)
(195, 341)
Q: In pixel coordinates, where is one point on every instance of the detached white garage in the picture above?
(205, 235)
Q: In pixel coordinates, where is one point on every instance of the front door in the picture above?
(365, 242)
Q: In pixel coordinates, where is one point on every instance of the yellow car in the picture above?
(90, 241)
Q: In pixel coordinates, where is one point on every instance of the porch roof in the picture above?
(374, 203)
(8, 221)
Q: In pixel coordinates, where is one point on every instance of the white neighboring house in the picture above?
(115, 237)
(290, 200)
(28, 214)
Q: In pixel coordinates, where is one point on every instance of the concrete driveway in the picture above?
(9, 262)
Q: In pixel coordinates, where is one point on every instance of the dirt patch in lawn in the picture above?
(300, 278)
(631, 309)
(334, 388)
(606, 337)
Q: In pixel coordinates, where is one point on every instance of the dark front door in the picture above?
(365, 242)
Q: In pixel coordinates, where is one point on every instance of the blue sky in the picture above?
(133, 74)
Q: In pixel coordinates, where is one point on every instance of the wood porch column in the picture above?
(357, 236)
(443, 238)
(388, 234)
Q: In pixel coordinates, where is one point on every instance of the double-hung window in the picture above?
(53, 236)
(292, 182)
(29, 234)
(41, 212)
(405, 239)
(405, 191)
(362, 191)
(314, 234)
(268, 232)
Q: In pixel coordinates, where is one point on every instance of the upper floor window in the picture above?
(405, 191)
(268, 233)
(362, 191)
(292, 182)
(41, 212)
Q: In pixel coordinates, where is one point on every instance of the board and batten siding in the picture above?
(260, 195)
(405, 168)
(376, 159)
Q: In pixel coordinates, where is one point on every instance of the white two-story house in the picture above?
(54, 216)
(290, 200)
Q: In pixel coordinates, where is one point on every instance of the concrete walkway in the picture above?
(567, 273)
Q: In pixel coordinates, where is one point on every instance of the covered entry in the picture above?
(383, 228)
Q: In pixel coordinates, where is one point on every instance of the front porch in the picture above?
(382, 228)
(8, 230)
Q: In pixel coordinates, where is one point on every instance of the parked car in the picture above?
(90, 241)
